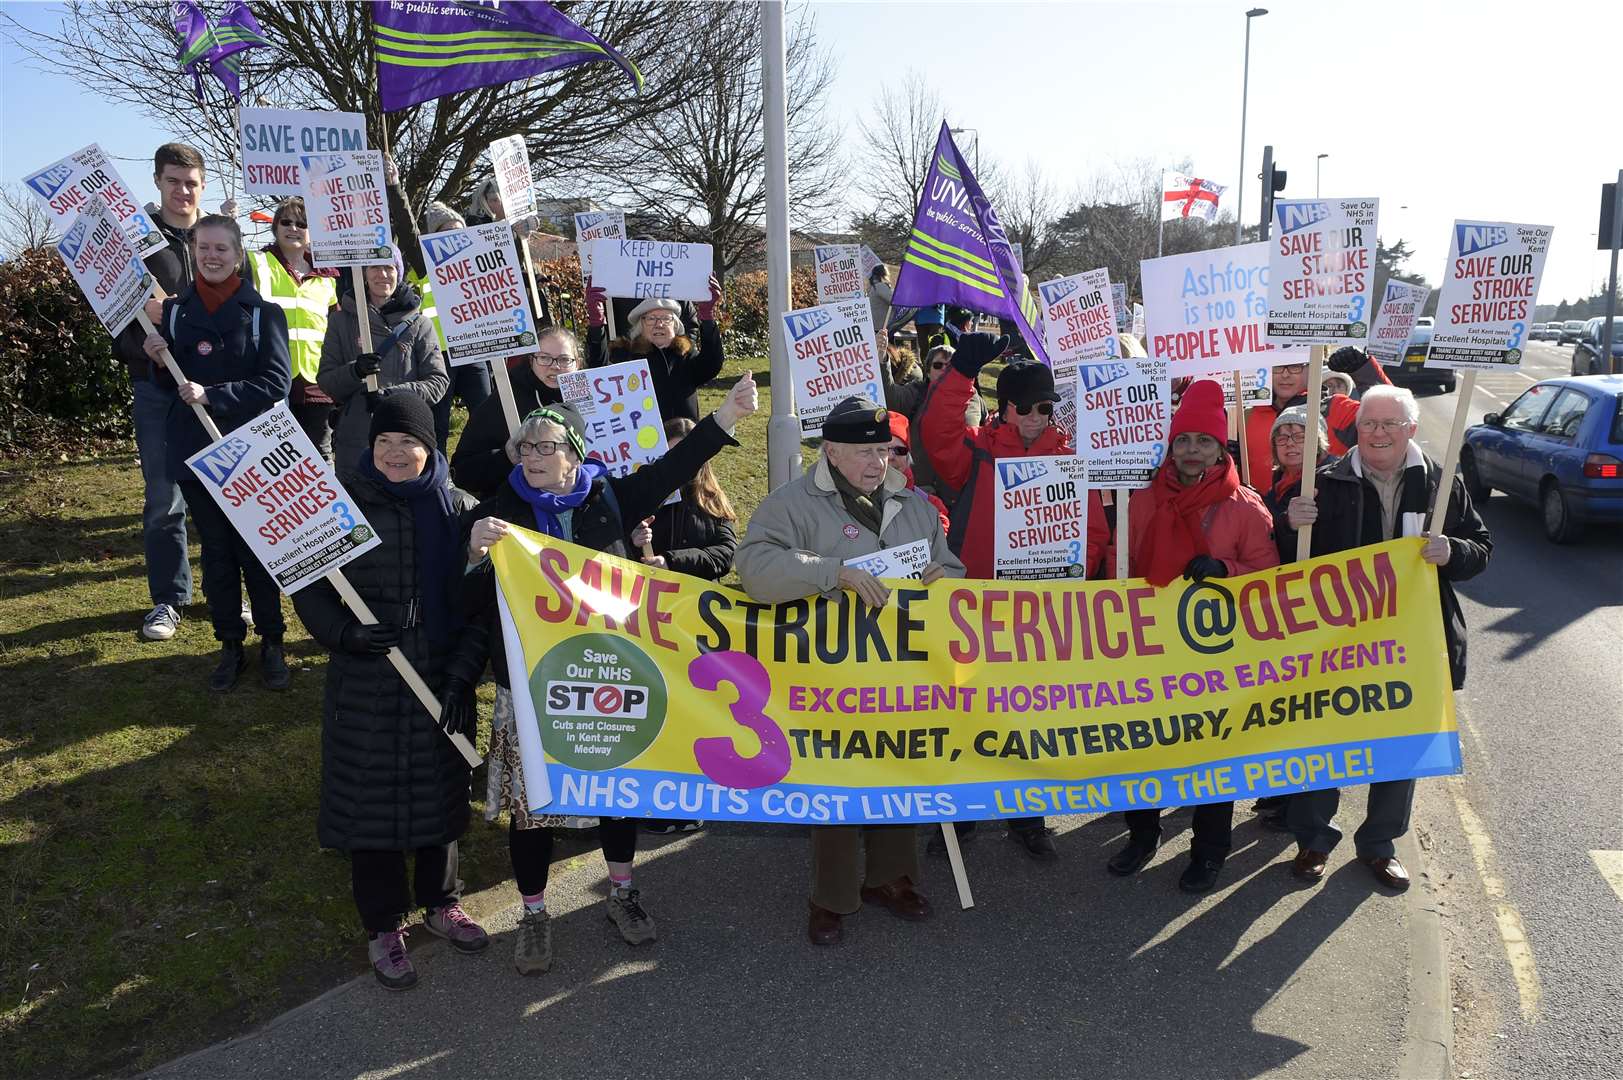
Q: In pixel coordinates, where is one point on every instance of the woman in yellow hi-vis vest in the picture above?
(284, 275)
(470, 382)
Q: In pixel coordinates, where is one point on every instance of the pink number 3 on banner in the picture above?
(717, 757)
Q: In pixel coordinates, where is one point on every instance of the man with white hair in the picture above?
(1383, 489)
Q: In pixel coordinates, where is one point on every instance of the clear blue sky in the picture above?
(1481, 110)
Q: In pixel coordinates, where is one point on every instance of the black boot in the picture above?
(273, 665)
(1200, 875)
(1132, 858)
(1036, 841)
(232, 664)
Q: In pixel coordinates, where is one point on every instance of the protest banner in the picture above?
(1487, 296)
(905, 561)
(1065, 409)
(659, 269)
(1394, 322)
(65, 187)
(1204, 313)
(839, 272)
(968, 699)
(347, 209)
(484, 315)
(1041, 521)
(596, 225)
(1122, 420)
(1118, 304)
(1079, 323)
(870, 263)
(276, 141)
(833, 356)
(104, 264)
(623, 426)
(1138, 321)
(1321, 271)
(510, 162)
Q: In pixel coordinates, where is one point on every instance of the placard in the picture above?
(1138, 321)
(102, 261)
(65, 187)
(623, 427)
(1118, 302)
(510, 161)
(904, 561)
(1122, 420)
(1321, 271)
(276, 141)
(659, 269)
(283, 499)
(1079, 323)
(839, 272)
(348, 212)
(1041, 523)
(1400, 307)
(870, 263)
(1488, 294)
(479, 293)
(596, 225)
(832, 355)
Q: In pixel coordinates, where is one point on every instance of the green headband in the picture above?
(576, 443)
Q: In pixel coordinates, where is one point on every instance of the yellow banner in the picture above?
(654, 694)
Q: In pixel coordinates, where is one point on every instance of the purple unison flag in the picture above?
(236, 32)
(429, 48)
(196, 41)
(958, 253)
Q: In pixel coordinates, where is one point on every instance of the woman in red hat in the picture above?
(1199, 522)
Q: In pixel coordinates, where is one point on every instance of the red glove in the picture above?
(707, 308)
(597, 303)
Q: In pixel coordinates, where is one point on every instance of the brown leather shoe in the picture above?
(824, 927)
(1389, 872)
(901, 898)
(1309, 865)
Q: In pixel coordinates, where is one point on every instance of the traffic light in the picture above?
(1273, 182)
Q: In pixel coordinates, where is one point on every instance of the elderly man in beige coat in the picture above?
(850, 504)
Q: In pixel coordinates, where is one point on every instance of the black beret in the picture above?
(857, 420)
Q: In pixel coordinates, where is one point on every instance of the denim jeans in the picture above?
(163, 513)
(470, 382)
(227, 563)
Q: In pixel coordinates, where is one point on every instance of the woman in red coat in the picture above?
(1195, 520)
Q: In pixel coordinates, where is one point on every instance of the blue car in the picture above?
(1558, 446)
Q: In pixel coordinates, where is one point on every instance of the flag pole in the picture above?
(783, 430)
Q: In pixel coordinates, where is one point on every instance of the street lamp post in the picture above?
(1245, 88)
(1316, 163)
(975, 132)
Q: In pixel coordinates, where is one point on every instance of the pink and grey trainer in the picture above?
(389, 960)
(452, 923)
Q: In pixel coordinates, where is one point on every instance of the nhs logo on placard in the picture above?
(71, 244)
(803, 323)
(1055, 291)
(1015, 473)
(47, 182)
(1297, 215)
(588, 222)
(442, 246)
(1472, 238)
(218, 464)
(1097, 375)
(827, 254)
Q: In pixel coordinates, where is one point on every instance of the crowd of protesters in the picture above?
(250, 329)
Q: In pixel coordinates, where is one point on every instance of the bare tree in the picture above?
(698, 169)
(24, 223)
(1029, 207)
(895, 146)
(124, 50)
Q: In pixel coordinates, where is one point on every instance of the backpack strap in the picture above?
(254, 330)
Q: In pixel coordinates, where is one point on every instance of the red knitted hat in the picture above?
(898, 428)
(1201, 411)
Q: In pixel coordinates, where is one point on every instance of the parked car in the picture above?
(1536, 332)
(1546, 331)
(1586, 355)
(1411, 369)
(1558, 446)
(1425, 320)
(1571, 330)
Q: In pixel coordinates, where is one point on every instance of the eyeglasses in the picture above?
(899, 451)
(939, 365)
(290, 224)
(543, 448)
(660, 320)
(1290, 437)
(1044, 408)
(1382, 425)
(1291, 369)
(547, 360)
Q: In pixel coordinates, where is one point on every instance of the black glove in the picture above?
(368, 363)
(1202, 567)
(361, 639)
(975, 351)
(1347, 359)
(458, 715)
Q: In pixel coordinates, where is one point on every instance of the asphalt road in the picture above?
(1508, 846)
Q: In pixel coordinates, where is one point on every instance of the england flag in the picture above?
(1188, 197)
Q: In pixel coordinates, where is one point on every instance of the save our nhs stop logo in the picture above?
(600, 699)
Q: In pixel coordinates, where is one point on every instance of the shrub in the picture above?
(744, 326)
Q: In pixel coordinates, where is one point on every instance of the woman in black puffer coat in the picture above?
(391, 781)
(656, 334)
(693, 535)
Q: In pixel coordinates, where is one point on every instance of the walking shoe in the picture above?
(532, 952)
(1200, 875)
(1388, 871)
(161, 623)
(452, 923)
(232, 664)
(1038, 843)
(1309, 865)
(824, 927)
(273, 665)
(1132, 858)
(389, 961)
(667, 826)
(625, 911)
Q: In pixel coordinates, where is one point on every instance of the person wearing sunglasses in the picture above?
(1197, 520)
(552, 487)
(906, 395)
(659, 336)
(965, 457)
(284, 275)
(480, 463)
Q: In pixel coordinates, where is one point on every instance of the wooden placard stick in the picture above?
(1239, 429)
(1310, 446)
(1438, 517)
(949, 836)
(180, 376)
(363, 318)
